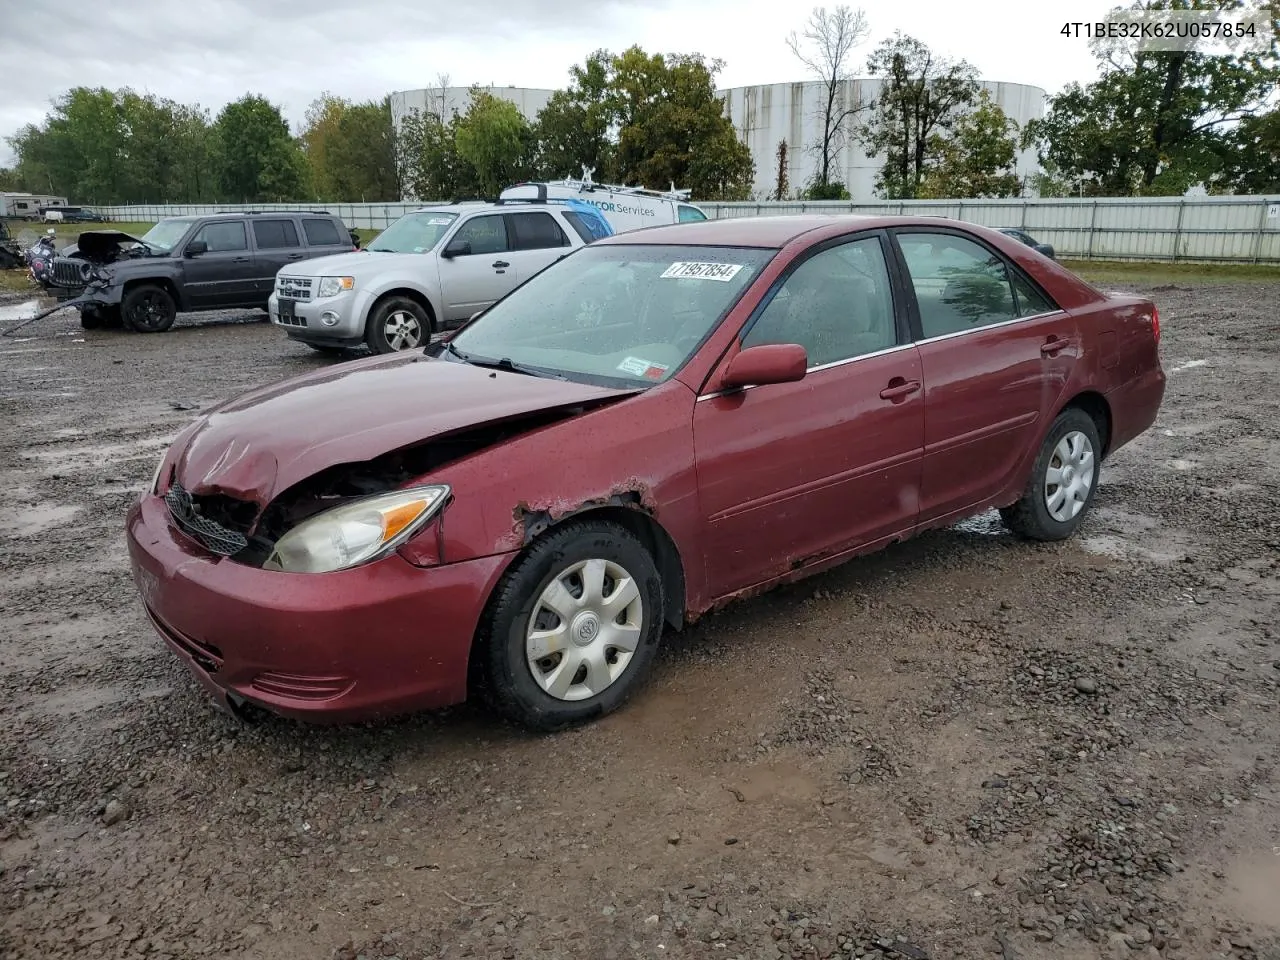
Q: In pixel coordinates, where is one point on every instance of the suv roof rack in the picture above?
(267, 213)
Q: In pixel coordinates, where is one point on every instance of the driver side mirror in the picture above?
(1045, 249)
(768, 363)
(196, 247)
(457, 248)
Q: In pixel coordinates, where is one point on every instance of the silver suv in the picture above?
(430, 270)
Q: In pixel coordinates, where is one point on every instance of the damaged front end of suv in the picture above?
(87, 275)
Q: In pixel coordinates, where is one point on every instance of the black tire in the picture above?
(395, 309)
(148, 308)
(1030, 516)
(506, 676)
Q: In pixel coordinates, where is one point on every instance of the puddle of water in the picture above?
(986, 524)
(1190, 364)
(1256, 893)
(23, 310)
(1183, 464)
(28, 521)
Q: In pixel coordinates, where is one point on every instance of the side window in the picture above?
(1030, 301)
(487, 234)
(321, 233)
(687, 213)
(535, 231)
(223, 237)
(838, 304)
(960, 285)
(274, 234)
(579, 227)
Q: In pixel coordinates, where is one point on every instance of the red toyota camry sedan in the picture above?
(656, 424)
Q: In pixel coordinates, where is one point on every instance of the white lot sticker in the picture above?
(641, 368)
(439, 221)
(702, 271)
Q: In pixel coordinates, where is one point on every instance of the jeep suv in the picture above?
(431, 270)
(189, 264)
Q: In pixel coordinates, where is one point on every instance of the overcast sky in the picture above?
(291, 50)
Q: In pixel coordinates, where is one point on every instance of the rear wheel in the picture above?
(1063, 480)
(573, 627)
(148, 309)
(397, 323)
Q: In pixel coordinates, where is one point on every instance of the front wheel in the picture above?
(573, 627)
(148, 309)
(397, 323)
(1063, 480)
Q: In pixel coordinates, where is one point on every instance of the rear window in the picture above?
(274, 234)
(536, 231)
(579, 227)
(688, 213)
(321, 233)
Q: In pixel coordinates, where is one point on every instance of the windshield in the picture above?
(413, 233)
(617, 315)
(166, 233)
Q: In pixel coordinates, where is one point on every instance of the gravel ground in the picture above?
(966, 746)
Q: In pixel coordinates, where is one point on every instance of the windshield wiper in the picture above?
(503, 363)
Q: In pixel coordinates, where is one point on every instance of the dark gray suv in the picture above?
(189, 264)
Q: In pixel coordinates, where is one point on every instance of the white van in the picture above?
(626, 208)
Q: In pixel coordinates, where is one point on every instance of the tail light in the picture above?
(1155, 323)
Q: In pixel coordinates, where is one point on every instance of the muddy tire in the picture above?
(148, 309)
(397, 323)
(1063, 480)
(572, 628)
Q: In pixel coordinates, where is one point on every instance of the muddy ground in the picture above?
(967, 746)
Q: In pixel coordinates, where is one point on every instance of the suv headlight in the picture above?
(356, 532)
(332, 286)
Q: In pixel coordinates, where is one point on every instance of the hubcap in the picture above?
(584, 629)
(1070, 476)
(403, 330)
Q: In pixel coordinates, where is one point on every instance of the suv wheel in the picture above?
(148, 309)
(397, 323)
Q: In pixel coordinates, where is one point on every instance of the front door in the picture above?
(223, 275)
(996, 355)
(471, 281)
(796, 472)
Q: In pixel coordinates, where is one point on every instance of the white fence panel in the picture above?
(1121, 228)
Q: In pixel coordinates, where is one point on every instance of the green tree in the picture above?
(350, 149)
(496, 141)
(647, 119)
(978, 159)
(258, 160)
(10, 180)
(575, 128)
(428, 161)
(1252, 160)
(1157, 123)
(922, 97)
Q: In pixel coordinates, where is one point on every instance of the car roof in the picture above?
(764, 231)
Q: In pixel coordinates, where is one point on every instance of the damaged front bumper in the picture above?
(376, 640)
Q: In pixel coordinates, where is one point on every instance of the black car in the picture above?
(189, 264)
(1023, 237)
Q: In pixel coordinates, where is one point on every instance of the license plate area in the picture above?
(287, 309)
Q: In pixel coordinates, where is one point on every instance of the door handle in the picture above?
(239, 259)
(498, 264)
(899, 389)
(295, 256)
(1054, 345)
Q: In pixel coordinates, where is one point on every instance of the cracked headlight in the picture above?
(356, 532)
(332, 286)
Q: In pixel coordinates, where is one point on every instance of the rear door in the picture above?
(223, 275)
(276, 245)
(996, 355)
(537, 241)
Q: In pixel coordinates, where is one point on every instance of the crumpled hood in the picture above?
(258, 445)
(352, 264)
